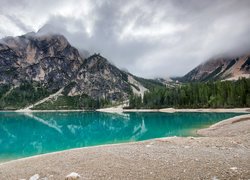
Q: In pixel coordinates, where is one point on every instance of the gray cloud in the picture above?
(150, 38)
(18, 22)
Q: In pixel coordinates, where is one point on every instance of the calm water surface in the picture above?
(27, 134)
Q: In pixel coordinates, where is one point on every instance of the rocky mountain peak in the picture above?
(97, 61)
(98, 78)
(42, 58)
(221, 69)
(49, 59)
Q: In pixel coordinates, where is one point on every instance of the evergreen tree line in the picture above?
(74, 102)
(12, 98)
(219, 94)
(21, 96)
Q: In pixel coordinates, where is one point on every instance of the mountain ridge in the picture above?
(220, 69)
(46, 63)
(44, 71)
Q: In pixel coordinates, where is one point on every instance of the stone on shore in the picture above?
(72, 176)
(34, 177)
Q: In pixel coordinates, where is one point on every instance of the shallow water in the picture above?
(27, 134)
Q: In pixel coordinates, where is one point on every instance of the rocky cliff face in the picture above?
(50, 61)
(221, 69)
(98, 78)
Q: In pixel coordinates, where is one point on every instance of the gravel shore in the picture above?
(223, 152)
(119, 109)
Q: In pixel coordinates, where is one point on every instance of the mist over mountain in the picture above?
(149, 38)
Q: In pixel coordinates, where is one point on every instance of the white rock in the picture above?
(72, 176)
(34, 177)
(234, 168)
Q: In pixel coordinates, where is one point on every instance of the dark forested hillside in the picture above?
(219, 94)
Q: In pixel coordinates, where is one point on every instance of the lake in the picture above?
(28, 134)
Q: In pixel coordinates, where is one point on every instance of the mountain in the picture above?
(44, 71)
(220, 69)
(49, 59)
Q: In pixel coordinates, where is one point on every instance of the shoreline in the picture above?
(121, 110)
(173, 110)
(215, 137)
(235, 110)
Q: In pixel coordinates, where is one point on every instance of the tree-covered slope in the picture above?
(212, 94)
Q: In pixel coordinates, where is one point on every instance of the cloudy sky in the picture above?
(150, 38)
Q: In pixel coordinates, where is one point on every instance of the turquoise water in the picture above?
(27, 134)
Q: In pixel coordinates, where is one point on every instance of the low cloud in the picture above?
(157, 38)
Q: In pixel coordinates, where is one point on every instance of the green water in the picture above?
(27, 134)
